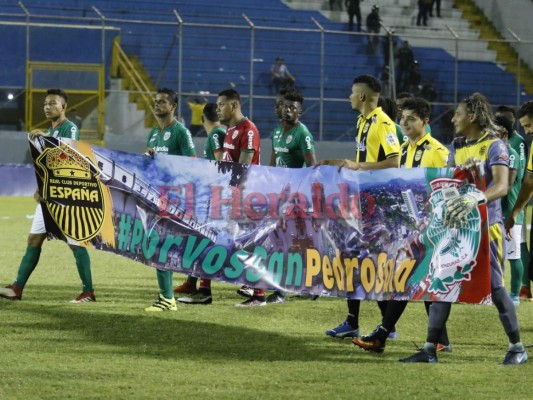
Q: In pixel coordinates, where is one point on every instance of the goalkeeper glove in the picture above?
(457, 209)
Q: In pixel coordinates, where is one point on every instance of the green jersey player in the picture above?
(55, 106)
(170, 137)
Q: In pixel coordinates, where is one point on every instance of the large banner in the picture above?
(373, 235)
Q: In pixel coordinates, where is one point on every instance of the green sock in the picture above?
(83, 262)
(525, 261)
(27, 265)
(164, 279)
(517, 270)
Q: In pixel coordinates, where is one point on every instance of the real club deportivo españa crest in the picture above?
(72, 192)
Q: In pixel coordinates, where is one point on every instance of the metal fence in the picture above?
(199, 59)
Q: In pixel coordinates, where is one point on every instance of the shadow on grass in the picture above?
(168, 335)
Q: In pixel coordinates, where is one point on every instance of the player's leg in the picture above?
(187, 287)
(506, 310)
(525, 290)
(30, 259)
(83, 264)
(165, 301)
(515, 261)
(349, 327)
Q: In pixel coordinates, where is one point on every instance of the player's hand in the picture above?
(470, 163)
(457, 210)
(36, 132)
(149, 152)
(509, 223)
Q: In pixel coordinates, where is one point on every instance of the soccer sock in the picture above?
(83, 263)
(507, 313)
(524, 254)
(205, 286)
(438, 315)
(517, 269)
(27, 265)
(164, 279)
(393, 313)
(353, 313)
(444, 340)
(382, 304)
(192, 280)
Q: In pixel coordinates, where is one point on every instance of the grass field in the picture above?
(112, 349)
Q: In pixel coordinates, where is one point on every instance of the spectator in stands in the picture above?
(281, 77)
(353, 10)
(428, 91)
(373, 26)
(424, 7)
(335, 5)
(414, 78)
(405, 58)
(197, 107)
(435, 3)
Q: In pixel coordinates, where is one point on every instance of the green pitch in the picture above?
(112, 349)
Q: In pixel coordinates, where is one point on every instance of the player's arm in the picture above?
(440, 157)
(246, 157)
(513, 173)
(391, 162)
(310, 159)
(186, 144)
(36, 132)
(500, 176)
(523, 197)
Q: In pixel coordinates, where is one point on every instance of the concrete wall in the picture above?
(515, 15)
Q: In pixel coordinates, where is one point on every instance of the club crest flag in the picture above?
(369, 235)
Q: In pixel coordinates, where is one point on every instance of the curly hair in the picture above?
(478, 105)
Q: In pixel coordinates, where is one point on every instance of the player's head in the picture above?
(389, 107)
(400, 98)
(209, 114)
(415, 117)
(165, 102)
(279, 102)
(525, 116)
(365, 89)
(473, 115)
(291, 108)
(505, 125)
(228, 105)
(55, 104)
(506, 111)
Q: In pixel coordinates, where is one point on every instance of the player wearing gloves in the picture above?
(478, 144)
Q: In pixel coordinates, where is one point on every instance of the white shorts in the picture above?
(38, 227)
(513, 245)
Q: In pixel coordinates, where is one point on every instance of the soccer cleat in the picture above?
(186, 288)
(369, 343)
(444, 348)
(525, 293)
(421, 356)
(275, 297)
(343, 330)
(393, 334)
(245, 291)
(515, 358)
(196, 298)
(252, 302)
(162, 304)
(85, 297)
(11, 292)
(515, 299)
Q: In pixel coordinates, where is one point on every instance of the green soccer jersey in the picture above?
(290, 147)
(518, 143)
(214, 143)
(66, 130)
(509, 201)
(174, 139)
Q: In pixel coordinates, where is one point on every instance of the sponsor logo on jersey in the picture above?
(278, 149)
(73, 131)
(229, 146)
(392, 139)
(308, 144)
(166, 136)
(161, 149)
(360, 146)
(72, 192)
(250, 140)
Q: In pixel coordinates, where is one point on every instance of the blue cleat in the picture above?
(342, 331)
(515, 358)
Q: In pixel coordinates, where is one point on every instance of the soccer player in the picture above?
(293, 146)
(377, 147)
(424, 151)
(55, 106)
(513, 240)
(518, 143)
(241, 145)
(212, 151)
(170, 137)
(473, 121)
(525, 116)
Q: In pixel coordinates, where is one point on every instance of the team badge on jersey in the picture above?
(289, 139)
(235, 133)
(166, 136)
(482, 150)
(72, 192)
(418, 155)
